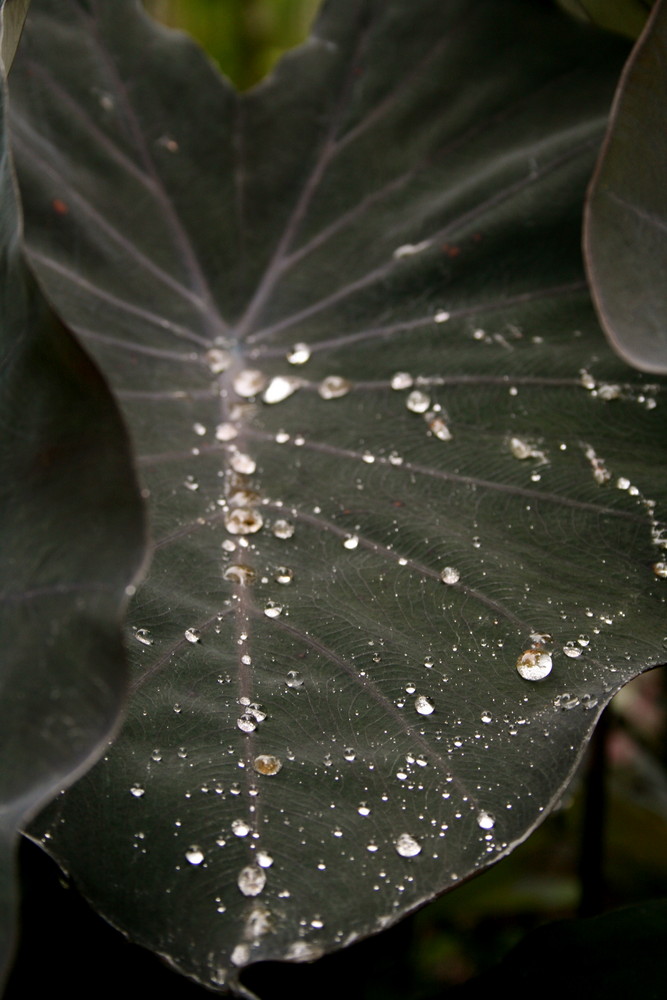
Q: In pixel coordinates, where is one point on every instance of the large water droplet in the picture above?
(284, 575)
(192, 635)
(243, 521)
(246, 723)
(249, 382)
(194, 855)
(334, 386)
(423, 705)
(407, 846)
(267, 764)
(534, 664)
(251, 880)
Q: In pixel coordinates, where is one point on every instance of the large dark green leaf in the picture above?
(327, 725)
(626, 216)
(70, 542)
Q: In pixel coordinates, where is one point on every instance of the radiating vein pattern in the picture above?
(406, 511)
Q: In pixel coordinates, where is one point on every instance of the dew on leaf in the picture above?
(143, 635)
(407, 846)
(410, 249)
(418, 401)
(293, 679)
(660, 570)
(572, 649)
(251, 880)
(137, 791)
(192, 635)
(256, 711)
(249, 382)
(534, 664)
(267, 764)
(239, 573)
(246, 723)
(438, 427)
(240, 828)
(243, 521)
(333, 387)
(423, 705)
(194, 855)
(284, 575)
(401, 380)
(485, 820)
(283, 529)
(217, 360)
(273, 610)
(242, 463)
(299, 354)
(351, 542)
(226, 432)
(199, 429)
(441, 316)
(450, 575)
(263, 859)
(279, 388)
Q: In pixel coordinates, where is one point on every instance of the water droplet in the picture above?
(156, 755)
(240, 828)
(199, 429)
(137, 791)
(293, 679)
(486, 717)
(450, 575)
(226, 432)
(485, 820)
(441, 316)
(572, 649)
(660, 570)
(217, 360)
(363, 810)
(267, 764)
(143, 635)
(273, 610)
(349, 753)
(280, 388)
(418, 401)
(566, 701)
(438, 427)
(351, 542)
(401, 380)
(299, 354)
(191, 484)
(410, 249)
(243, 464)
(256, 711)
(251, 880)
(423, 705)
(407, 846)
(249, 382)
(243, 521)
(283, 529)
(192, 634)
(284, 575)
(194, 855)
(583, 640)
(534, 664)
(239, 573)
(333, 387)
(246, 723)
(264, 859)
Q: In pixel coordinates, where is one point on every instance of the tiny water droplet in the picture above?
(566, 701)
(283, 529)
(485, 820)
(293, 679)
(226, 432)
(249, 382)
(194, 855)
(156, 755)
(243, 521)
(267, 764)
(299, 354)
(192, 635)
(333, 387)
(423, 705)
(251, 880)
(363, 810)
(407, 846)
(660, 570)
(441, 316)
(418, 401)
(534, 664)
(450, 575)
(256, 711)
(284, 575)
(438, 427)
(264, 859)
(137, 791)
(143, 635)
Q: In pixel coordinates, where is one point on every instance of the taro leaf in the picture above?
(625, 235)
(70, 542)
(355, 540)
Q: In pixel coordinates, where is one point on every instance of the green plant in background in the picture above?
(406, 505)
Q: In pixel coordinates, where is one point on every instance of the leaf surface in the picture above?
(625, 235)
(358, 537)
(68, 494)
